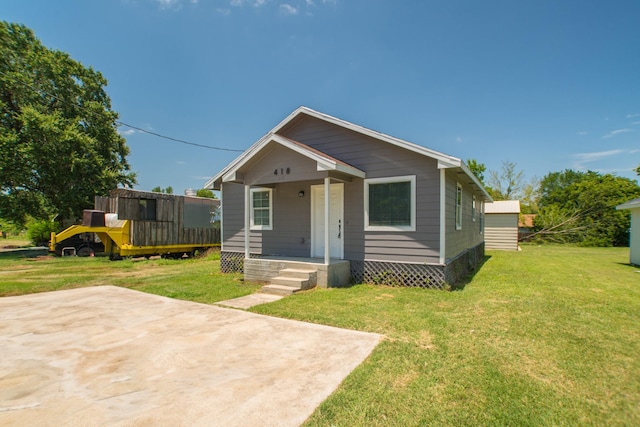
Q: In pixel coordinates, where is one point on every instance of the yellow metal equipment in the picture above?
(117, 242)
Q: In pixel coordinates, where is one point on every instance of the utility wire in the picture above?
(175, 139)
(121, 123)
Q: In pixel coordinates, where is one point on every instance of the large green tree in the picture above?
(59, 144)
(579, 207)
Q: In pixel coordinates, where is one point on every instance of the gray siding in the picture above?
(458, 241)
(378, 159)
(291, 234)
(289, 165)
(232, 212)
(501, 231)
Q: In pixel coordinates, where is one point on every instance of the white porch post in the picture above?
(443, 215)
(327, 200)
(247, 219)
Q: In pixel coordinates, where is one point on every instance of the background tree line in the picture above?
(570, 206)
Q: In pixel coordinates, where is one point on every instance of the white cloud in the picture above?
(169, 4)
(581, 159)
(127, 132)
(617, 132)
(583, 133)
(635, 123)
(224, 11)
(633, 116)
(287, 9)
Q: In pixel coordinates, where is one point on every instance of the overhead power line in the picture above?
(176, 139)
(121, 123)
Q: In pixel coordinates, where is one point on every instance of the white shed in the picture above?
(501, 225)
(634, 237)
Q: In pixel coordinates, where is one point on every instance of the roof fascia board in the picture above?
(633, 204)
(210, 185)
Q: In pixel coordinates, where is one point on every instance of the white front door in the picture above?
(336, 221)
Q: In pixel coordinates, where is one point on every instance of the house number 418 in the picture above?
(282, 171)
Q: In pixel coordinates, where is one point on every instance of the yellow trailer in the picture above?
(117, 243)
(136, 223)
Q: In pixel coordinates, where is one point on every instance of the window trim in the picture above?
(481, 224)
(474, 208)
(389, 180)
(458, 206)
(252, 224)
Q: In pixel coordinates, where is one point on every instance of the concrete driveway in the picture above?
(111, 356)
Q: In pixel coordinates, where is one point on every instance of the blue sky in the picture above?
(548, 85)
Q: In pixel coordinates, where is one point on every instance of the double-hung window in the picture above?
(261, 209)
(390, 204)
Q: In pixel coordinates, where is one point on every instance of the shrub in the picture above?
(39, 231)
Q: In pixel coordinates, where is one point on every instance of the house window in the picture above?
(459, 207)
(390, 204)
(473, 209)
(481, 217)
(261, 209)
(147, 209)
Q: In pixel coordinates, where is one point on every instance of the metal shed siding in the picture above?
(501, 231)
(378, 159)
(470, 235)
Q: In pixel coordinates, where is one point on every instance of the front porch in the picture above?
(264, 269)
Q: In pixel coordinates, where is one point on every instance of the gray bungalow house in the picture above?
(344, 203)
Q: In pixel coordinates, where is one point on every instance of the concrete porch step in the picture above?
(298, 273)
(294, 282)
(291, 280)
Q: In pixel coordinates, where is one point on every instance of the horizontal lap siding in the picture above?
(291, 234)
(378, 159)
(501, 231)
(232, 217)
(458, 241)
(261, 171)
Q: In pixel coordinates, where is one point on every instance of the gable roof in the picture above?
(631, 204)
(324, 162)
(444, 161)
(503, 207)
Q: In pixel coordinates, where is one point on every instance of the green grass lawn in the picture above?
(197, 279)
(546, 336)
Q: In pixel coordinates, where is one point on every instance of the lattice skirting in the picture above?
(390, 273)
(233, 262)
(397, 274)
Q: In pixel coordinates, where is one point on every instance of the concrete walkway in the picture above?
(112, 356)
(249, 301)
